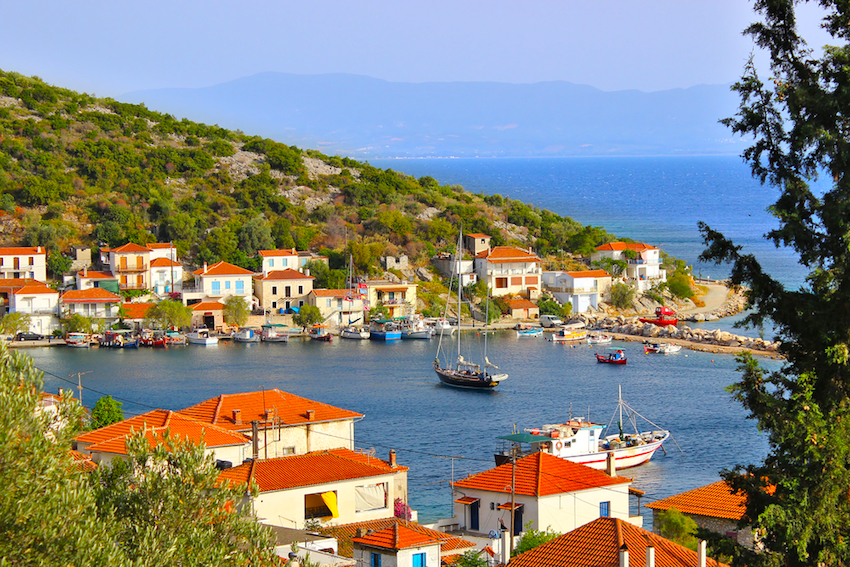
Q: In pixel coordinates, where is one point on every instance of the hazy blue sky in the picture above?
(109, 47)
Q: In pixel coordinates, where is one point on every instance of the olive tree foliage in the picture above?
(307, 316)
(14, 323)
(798, 119)
(235, 311)
(106, 411)
(168, 313)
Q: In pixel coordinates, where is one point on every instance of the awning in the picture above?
(329, 498)
(507, 506)
(636, 491)
(467, 500)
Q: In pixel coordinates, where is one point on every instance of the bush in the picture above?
(622, 295)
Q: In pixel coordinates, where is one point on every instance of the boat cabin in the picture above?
(575, 437)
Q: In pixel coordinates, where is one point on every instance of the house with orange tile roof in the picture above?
(714, 507)
(523, 309)
(612, 542)
(286, 424)
(166, 276)
(109, 443)
(550, 492)
(209, 314)
(476, 243)
(331, 486)
(396, 546)
(643, 261)
(96, 302)
(509, 270)
(151, 266)
(450, 544)
(23, 262)
(40, 302)
(339, 307)
(130, 263)
(220, 281)
(583, 290)
(282, 259)
(282, 289)
(88, 279)
(398, 297)
(135, 313)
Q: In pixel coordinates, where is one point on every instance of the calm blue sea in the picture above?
(406, 408)
(658, 200)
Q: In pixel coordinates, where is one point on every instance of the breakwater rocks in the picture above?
(712, 338)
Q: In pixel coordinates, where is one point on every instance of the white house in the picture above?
(550, 492)
(282, 289)
(644, 268)
(397, 546)
(41, 303)
(108, 443)
(166, 276)
(286, 258)
(398, 298)
(583, 290)
(338, 306)
(88, 279)
(23, 262)
(332, 486)
(222, 280)
(95, 302)
(450, 266)
(508, 270)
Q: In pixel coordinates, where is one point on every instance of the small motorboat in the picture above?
(529, 333)
(616, 356)
(78, 340)
(661, 348)
(567, 333)
(157, 339)
(440, 325)
(384, 330)
(201, 337)
(354, 332)
(246, 335)
(599, 339)
(275, 333)
(319, 333)
(119, 339)
(663, 316)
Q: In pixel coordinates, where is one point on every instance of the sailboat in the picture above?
(464, 373)
(352, 331)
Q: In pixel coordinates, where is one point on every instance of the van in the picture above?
(549, 321)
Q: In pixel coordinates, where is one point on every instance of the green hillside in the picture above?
(75, 169)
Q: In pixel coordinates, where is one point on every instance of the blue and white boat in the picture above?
(384, 330)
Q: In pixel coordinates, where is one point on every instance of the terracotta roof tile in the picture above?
(541, 474)
(331, 292)
(508, 254)
(395, 537)
(287, 274)
(93, 295)
(276, 253)
(36, 288)
(136, 310)
(521, 304)
(164, 263)
(345, 533)
(309, 469)
(715, 501)
(590, 274)
(598, 544)
(207, 306)
(95, 275)
(477, 235)
(223, 269)
(17, 283)
(291, 409)
(130, 247)
(161, 245)
(636, 246)
(112, 438)
(22, 250)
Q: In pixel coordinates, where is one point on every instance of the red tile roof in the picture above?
(521, 304)
(112, 438)
(83, 462)
(598, 544)
(223, 269)
(164, 263)
(345, 533)
(12, 284)
(289, 408)
(636, 246)
(161, 245)
(332, 292)
(715, 501)
(508, 254)
(35, 288)
(136, 310)
(93, 295)
(309, 469)
(94, 275)
(275, 253)
(22, 250)
(477, 235)
(287, 274)
(396, 537)
(207, 306)
(130, 247)
(541, 474)
(590, 274)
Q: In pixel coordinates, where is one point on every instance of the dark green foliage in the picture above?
(677, 527)
(307, 316)
(325, 277)
(622, 295)
(106, 411)
(58, 264)
(531, 538)
(236, 311)
(679, 285)
(798, 123)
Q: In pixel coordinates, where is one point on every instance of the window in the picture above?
(501, 283)
(418, 560)
(240, 287)
(328, 303)
(370, 497)
(274, 304)
(300, 303)
(516, 281)
(376, 560)
(216, 288)
(604, 509)
(300, 290)
(227, 285)
(271, 262)
(320, 505)
(287, 291)
(285, 262)
(274, 290)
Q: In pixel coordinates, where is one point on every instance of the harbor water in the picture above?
(406, 408)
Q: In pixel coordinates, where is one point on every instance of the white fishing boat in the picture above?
(201, 337)
(529, 333)
(463, 373)
(573, 332)
(599, 339)
(588, 443)
(440, 325)
(661, 348)
(414, 328)
(354, 332)
(78, 340)
(274, 333)
(246, 335)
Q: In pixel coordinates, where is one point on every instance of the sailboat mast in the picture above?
(459, 286)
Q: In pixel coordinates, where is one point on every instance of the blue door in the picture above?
(419, 560)
(473, 516)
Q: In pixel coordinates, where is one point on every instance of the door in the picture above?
(418, 560)
(518, 520)
(473, 516)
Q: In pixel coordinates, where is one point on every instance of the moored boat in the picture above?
(319, 333)
(246, 335)
(384, 330)
(414, 328)
(616, 356)
(567, 333)
(663, 316)
(354, 332)
(201, 337)
(274, 333)
(119, 339)
(440, 325)
(584, 442)
(78, 340)
(156, 339)
(529, 333)
(599, 339)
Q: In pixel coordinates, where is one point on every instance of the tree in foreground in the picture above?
(235, 311)
(799, 496)
(106, 411)
(14, 323)
(307, 316)
(168, 313)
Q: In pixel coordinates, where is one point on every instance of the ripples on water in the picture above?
(406, 407)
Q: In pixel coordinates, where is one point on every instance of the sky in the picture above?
(111, 47)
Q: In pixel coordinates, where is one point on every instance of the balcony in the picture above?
(131, 269)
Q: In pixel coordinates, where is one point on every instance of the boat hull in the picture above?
(203, 341)
(605, 360)
(276, 339)
(528, 334)
(419, 334)
(254, 339)
(385, 335)
(624, 457)
(468, 380)
(659, 322)
(357, 335)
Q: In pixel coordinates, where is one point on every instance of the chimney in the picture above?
(61, 393)
(392, 458)
(311, 414)
(624, 556)
(701, 552)
(307, 272)
(360, 532)
(270, 414)
(611, 465)
(255, 441)
(205, 268)
(237, 417)
(650, 556)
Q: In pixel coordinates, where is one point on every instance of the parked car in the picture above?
(28, 337)
(549, 321)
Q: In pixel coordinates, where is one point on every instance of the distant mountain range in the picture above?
(364, 117)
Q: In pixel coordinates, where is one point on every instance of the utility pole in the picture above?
(514, 450)
(80, 384)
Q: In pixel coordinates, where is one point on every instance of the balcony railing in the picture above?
(131, 269)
